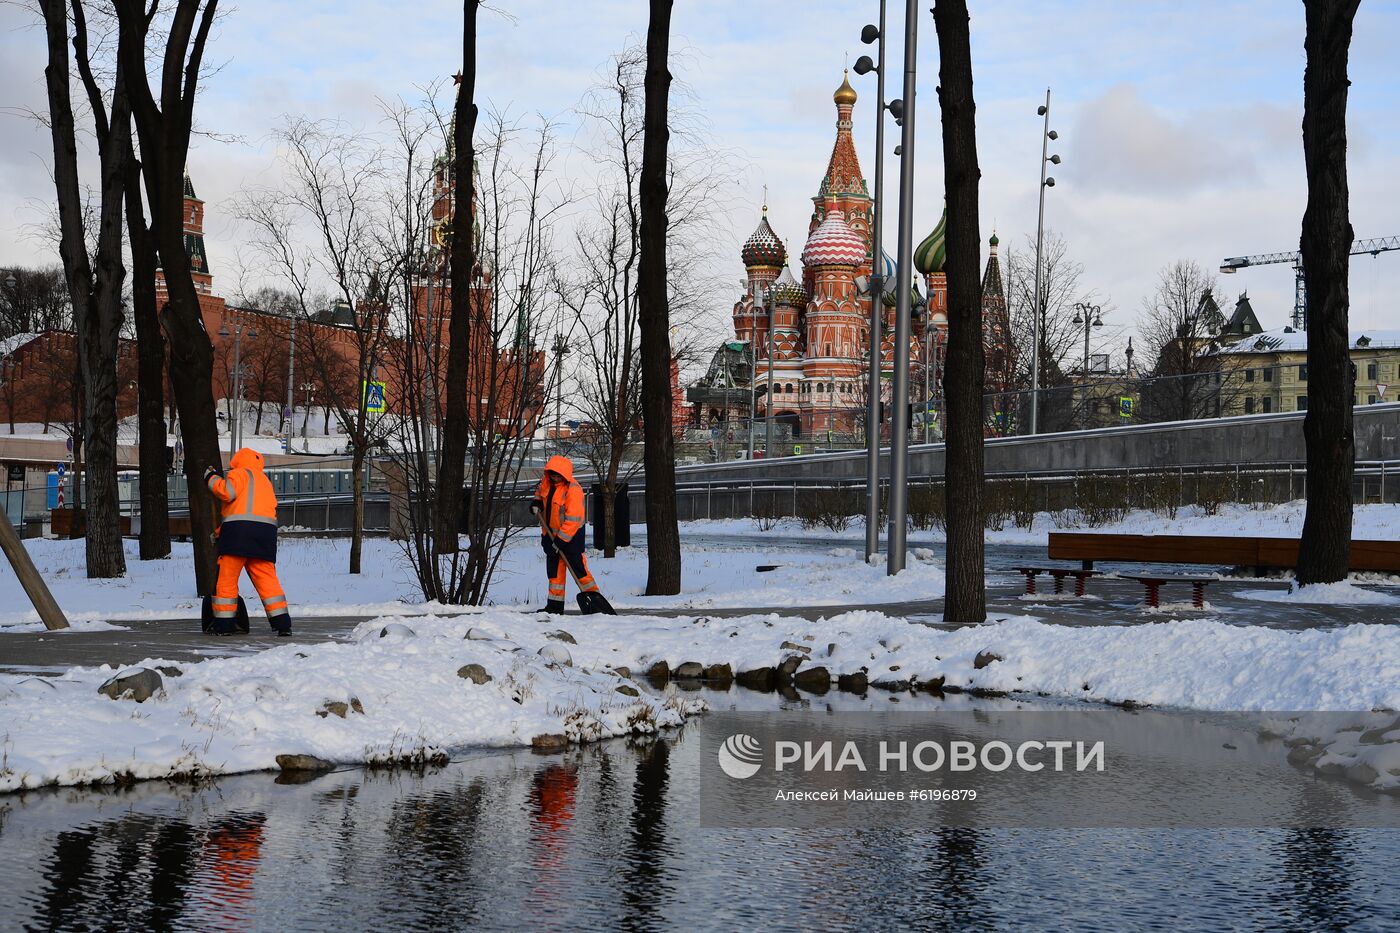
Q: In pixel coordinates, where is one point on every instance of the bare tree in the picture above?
(663, 532)
(163, 128)
(966, 599)
(1061, 286)
(1179, 328)
(38, 302)
(321, 226)
(463, 271)
(96, 293)
(1324, 553)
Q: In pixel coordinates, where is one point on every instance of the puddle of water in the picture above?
(607, 837)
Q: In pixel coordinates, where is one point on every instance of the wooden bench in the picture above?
(1153, 585)
(1059, 573)
(1233, 551)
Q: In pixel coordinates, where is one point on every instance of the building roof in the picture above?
(930, 255)
(843, 175)
(845, 94)
(834, 243)
(189, 188)
(788, 291)
(1288, 340)
(763, 248)
(1243, 321)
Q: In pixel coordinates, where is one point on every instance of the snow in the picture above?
(1289, 340)
(313, 574)
(238, 714)
(230, 715)
(1346, 593)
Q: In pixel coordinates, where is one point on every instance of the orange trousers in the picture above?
(263, 573)
(559, 574)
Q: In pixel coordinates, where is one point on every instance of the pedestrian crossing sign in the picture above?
(1125, 406)
(374, 397)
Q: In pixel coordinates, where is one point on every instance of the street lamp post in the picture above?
(235, 428)
(904, 111)
(1038, 308)
(308, 388)
(1088, 315)
(560, 349)
(291, 384)
(864, 66)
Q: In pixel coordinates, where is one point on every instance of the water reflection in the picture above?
(607, 837)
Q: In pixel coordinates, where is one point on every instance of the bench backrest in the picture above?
(1377, 556)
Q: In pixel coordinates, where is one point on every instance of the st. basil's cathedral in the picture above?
(820, 323)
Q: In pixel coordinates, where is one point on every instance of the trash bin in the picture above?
(621, 516)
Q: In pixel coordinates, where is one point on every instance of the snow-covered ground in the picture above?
(228, 715)
(313, 574)
(1370, 522)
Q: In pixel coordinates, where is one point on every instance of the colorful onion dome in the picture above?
(763, 248)
(933, 251)
(834, 243)
(845, 94)
(995, 239)
(788, 291)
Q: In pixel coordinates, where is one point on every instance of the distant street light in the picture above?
(235, 428)
(1038, 308)
(1088, 315)
(875, 288)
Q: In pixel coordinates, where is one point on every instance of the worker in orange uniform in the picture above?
(247, 539)
(559, 503)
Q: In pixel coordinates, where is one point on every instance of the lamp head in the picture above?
(870, 33)
(896, 107)
(1053, 135)
(864, 65)
(1050, 182)
(1040, 111)
(1055, 160)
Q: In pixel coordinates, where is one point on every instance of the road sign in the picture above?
(1380, 390)
(797, 450)
(1125, 406)
(70, 445)
(62, 468)
(374, 397)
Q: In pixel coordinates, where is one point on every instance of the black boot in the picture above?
(281, 624)
(554, 607)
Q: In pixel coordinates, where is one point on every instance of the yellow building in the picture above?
(1268, 372)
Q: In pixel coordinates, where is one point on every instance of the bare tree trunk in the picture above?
(164, 131)
(1324, 553)
(357, 528)
(966, 599)
(150, 375)
(462, 262)
(659, 457)
(96, 301)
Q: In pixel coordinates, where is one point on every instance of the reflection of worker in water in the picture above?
(229, 861)
(552, 796)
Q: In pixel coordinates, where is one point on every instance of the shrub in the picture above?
(1161, 493)
(833, 509)
(1101, 499)
(927, 507)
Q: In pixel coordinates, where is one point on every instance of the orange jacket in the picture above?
(560, 498)
(249, 508)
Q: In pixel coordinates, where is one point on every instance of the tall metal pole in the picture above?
(877, 309)
(899, 423)
(291, 384)
(753, 364)
(237, 388)
(768, 399)
(1039, 306)
(928, 348)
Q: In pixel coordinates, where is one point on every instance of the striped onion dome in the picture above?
(933, 251)
(788, 291)
(834, 243)
(763, 248)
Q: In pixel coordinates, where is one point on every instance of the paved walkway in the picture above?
(1112, 602)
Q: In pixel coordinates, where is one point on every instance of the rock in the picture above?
(852, 683)
(357, 706)
(690, 670)
(1362, 773)
(137, 684)
(1304, 754)
(789, 666)
(934, 684)
(792, 646)
(762, 678)
(476, 634)
(557, 654)
(397, 630)
(170, 670)
(333, 708)
(984, 658)
(475, 673)
(303, 763)
(813, 679)
(563, 636)
(788, 693)
(659, 673)
(622, 671)
(1377, 736)
(719, 674)
(549, 741)
(894, 686)
(627, 690)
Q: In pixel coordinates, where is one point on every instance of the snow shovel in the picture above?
(591, 602)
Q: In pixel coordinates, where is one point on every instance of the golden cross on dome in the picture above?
(765, 200)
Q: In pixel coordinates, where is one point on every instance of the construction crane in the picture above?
(1300, 290)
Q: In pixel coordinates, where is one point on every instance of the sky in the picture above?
(1178, 122)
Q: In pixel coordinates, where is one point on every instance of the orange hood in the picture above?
(561, 465)
(247, 459)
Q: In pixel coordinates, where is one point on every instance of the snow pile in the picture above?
(1346, 593)
(230, 715)
(1364, 748)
